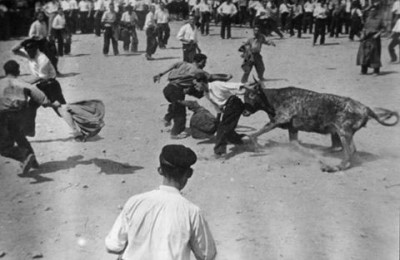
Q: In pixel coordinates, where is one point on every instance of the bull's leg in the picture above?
(336, 143)
(353, 148)
(293, 135)
(345, 163)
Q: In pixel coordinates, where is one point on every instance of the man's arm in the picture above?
(117, 239)
(157, 77)
(17, 50)
(201, 241)
(181, 35)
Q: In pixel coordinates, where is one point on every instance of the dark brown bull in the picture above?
(299, 109)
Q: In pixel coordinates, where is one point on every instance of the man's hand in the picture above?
(156, 78)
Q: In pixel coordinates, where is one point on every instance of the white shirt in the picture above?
(219, 92)
(396, 27)
(41, 66)
(162, 16)
(129, 18)
(98, 5)
(150, 20)
(205, 7)
(65, 5)
(38, 29)
(227, 9)
(73, 5)
(283, 8)
(187, 33)
(396, 7)
(308, 7)
(320, 12)
(161, 224)
(51, 7)
(59, 22)
(84, 6)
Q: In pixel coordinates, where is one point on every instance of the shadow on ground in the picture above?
(106, 166)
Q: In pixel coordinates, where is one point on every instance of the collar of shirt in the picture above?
(169, 189)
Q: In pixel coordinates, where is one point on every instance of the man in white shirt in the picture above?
(74, 15)
(84, 15)
(395, 40)
(188, 35)
(162, 224)
(227, 10)
(128, 22)
(162, 20)
(98, 8)
(223, 96)
(151, 33)
(58, 31)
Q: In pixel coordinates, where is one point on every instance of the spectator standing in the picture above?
(74, 15)
(227, 11)
(51, 10)
(188, 35)
(141, 10)
(98, 9)
(162, 224)
(129, 21)
(356, 20)
(151, 33)
(320, 15)
(347, 15)
(205, 17)
(109, 22)
(297, 21)
(338, 14)
(4, 22)
(308, 16)
(58, 28)
(163, 30)
(242, 11)
(369, 52)
(84, 15)
(395, 40)
(284, 12)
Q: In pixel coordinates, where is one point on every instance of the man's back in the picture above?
(161, 224)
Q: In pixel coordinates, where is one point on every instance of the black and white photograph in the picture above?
(200, 129)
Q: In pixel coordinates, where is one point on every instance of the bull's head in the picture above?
(252, 99)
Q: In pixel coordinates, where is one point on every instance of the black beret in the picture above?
(177, 156)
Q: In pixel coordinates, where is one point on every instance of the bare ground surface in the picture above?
(274, 204)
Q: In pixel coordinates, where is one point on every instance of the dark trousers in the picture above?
(189, 50)
(176, 111)
(355, 28)
(336, 26)
(297, 23)
(243, 15)
(11, 133)
(226, 128)
(226, 21)
(127, 35)
(267, 26)
(320, 25)
(141, 18)
(109, 36)
(308, 22)
(151, 36)
(284, 17)
(163, 34)
(258, 63)
(74, 21)
(97, 22)
(50, 50)
(392, 45)
(83, 21)
(205, 23)
(59, 37)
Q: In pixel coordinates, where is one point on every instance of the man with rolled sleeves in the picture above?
(162, 224)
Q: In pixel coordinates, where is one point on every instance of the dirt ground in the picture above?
(272, 204)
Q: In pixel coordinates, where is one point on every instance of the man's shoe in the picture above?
(180, 136)
(27, 163)
(35, 163)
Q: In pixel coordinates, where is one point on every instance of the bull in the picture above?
(297, 109)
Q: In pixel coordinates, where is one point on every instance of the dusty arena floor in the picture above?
(274, 204)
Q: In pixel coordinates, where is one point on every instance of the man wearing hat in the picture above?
(14, 97)
(162, 224)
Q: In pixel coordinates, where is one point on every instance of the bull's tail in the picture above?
(384, 116)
